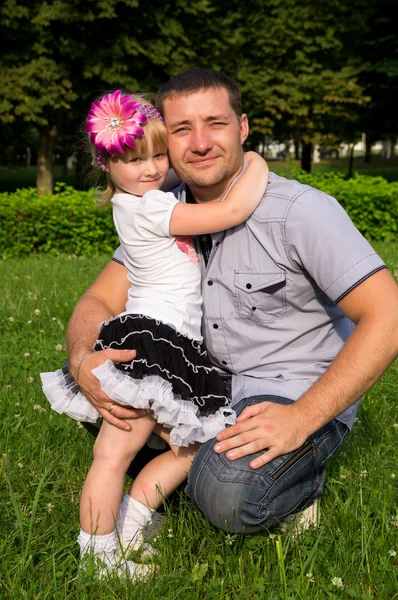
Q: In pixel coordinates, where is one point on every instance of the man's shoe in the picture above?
(296, 523)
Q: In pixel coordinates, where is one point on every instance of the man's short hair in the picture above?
(198, 80)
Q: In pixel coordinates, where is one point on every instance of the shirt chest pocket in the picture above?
(260, 297)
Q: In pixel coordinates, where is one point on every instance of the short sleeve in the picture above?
(153, 212)
(118, 256)
(322, 239)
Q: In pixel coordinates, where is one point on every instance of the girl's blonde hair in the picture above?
(154, 130)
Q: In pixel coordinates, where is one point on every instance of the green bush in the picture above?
(371, 202)
(68, 222)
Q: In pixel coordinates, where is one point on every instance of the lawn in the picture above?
(352, 554)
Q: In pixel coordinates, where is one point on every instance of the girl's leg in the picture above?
(114, 449)
(156, 481)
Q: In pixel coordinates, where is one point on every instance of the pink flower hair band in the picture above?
(114, 121)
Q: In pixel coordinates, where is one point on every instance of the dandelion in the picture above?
(363, 473)
(58, 347)
(338, 582)
(27, 354)
(392, 553)
(39, 408)
(11, 319)
(310, 577)
(36, 312)
(29, 322)
(30, 380)
(48, 507)
(394, 521)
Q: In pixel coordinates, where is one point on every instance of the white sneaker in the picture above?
(299, 522)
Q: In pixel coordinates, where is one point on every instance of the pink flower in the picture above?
(113, 122)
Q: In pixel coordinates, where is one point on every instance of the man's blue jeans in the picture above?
(239, 499)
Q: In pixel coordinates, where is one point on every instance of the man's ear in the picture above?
(244, 128)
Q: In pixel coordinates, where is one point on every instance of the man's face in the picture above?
(205, 138)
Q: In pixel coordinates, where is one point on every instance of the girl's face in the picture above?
(138, 174)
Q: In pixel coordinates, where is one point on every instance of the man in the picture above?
(281, 293)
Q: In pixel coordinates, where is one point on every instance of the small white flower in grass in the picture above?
(310, 577)
(36, 312)
(17, 416)
(27, 354)
(58, 347)
(29, 322)
(395, 424)
(30, 380)
(363, 473)
(29, 293)
(229, 539)
(28, 277)
(17, 403)
(393, 475)
(394, 521)
(358, 421)
(80, 426)
(53, 318)
(39, 408)
(11, 319)
(392, 553)
(48, 507)
(170, 533)
(20, 465)
(8, 387)
(337, 581)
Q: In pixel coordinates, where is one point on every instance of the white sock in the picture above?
(132, 518)
(101, 546)
(104, 548)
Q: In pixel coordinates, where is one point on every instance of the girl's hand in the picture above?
(90, 387)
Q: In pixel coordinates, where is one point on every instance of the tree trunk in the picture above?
(368, 149)
(306, 153)
(351, 161)
(44, 181)
(296, 149)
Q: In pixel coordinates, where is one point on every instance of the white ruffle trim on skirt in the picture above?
(64, 396)
(182, 417)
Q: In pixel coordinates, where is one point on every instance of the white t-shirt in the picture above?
(163, 270)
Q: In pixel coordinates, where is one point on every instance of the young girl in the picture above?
(171, 375)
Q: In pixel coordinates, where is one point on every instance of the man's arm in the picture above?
(373, 306)
(103, 300)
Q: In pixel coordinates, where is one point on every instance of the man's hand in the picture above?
(90, 387)
(275, 427)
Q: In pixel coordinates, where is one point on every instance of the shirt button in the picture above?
(248, 286)
(215, 326)
(217, 243)
(210, 282)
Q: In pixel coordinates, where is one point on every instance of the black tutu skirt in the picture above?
(171, 376)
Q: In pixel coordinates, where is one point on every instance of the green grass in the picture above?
(19, 177)
(45, 458)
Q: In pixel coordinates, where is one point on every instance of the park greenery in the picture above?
(353, 553)
(318, 72)
(70, 222)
